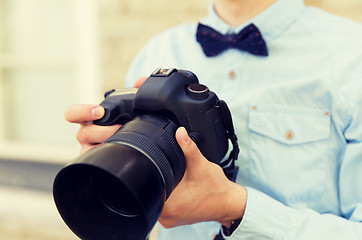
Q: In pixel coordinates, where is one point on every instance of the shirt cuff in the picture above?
(264, 218)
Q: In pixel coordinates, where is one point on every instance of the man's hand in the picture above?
(204, 193)
(89, 135)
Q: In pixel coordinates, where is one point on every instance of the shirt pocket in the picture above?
(287, 153)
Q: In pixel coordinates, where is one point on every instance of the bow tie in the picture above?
(248, 39)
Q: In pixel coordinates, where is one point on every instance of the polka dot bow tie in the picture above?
(248, 39)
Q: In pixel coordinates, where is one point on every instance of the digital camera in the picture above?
(117, 189)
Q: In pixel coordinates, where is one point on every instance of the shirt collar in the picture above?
(271, 22)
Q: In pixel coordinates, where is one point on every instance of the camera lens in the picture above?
(114, 194)
(117, 190)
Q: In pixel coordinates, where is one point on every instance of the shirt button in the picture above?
(232, 75)
(289, 134)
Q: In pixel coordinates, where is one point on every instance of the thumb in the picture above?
(192, 153)
(139, 82)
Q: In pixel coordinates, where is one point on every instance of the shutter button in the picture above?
(198, 91)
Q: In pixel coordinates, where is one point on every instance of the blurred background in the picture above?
(57, 52)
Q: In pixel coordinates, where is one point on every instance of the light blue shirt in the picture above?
(298, 117)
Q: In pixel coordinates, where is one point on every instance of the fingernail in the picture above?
(97, 111)
(186, 137)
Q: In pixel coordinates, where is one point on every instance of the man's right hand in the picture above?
(89, 135)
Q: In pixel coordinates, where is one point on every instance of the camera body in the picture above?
(117, 190)
(178, 96)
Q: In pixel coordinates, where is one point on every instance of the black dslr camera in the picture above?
(117, 190)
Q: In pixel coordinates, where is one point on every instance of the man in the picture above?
(297, 108)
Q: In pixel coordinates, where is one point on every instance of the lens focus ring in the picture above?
(142, 143)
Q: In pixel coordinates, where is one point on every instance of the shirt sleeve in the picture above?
(266, 218)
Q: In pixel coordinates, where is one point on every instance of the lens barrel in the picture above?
(117, 190)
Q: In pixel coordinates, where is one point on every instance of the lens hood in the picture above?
(104, 196)
(117, 190)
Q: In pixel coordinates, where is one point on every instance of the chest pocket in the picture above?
(287, 153)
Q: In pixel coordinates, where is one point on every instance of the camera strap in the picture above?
(229, 167)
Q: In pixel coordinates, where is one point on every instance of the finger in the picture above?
(139, 82)
(93, 134)
(80, 113)
(189, 148)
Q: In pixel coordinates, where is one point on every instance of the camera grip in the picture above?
(118, 106)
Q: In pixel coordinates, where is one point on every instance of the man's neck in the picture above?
(236, 12)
